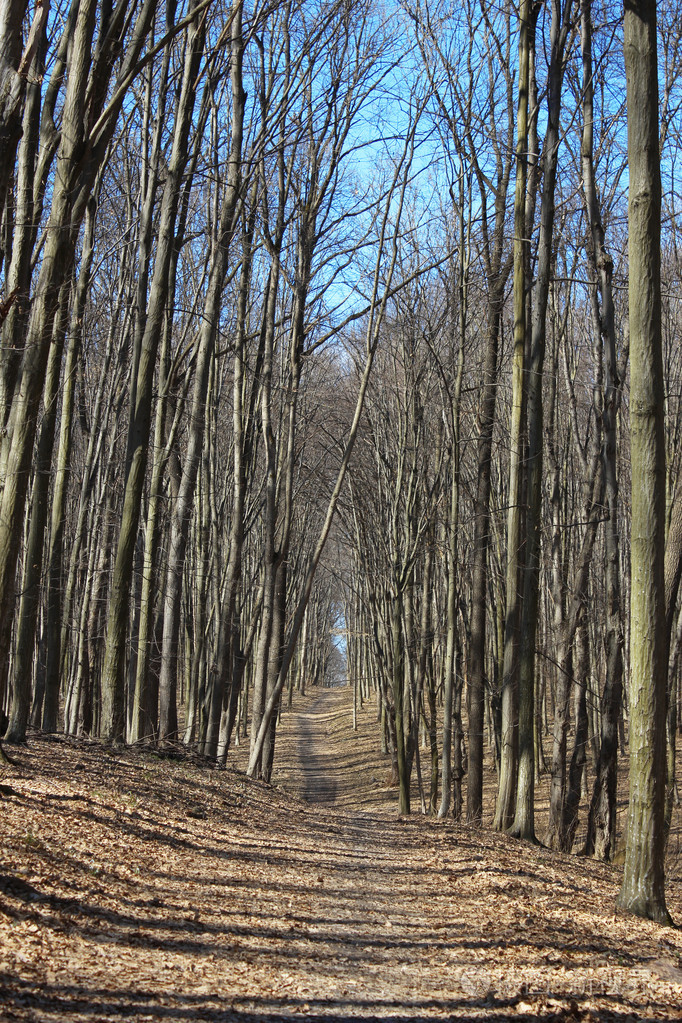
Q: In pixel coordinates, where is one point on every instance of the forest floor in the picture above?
(140, 887)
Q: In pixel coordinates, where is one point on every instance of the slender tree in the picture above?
(643, 889)
(504, 810)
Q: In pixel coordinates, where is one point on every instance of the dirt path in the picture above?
(324, 762)
(320, 780)
(135, 888)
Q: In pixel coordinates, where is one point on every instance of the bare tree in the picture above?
(643, 890)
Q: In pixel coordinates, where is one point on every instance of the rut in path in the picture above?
(315, 758)
(325, 763)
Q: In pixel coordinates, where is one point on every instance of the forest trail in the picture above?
(325, 767)
(321, 776)
(137, 887)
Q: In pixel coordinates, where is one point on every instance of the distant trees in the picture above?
(265, 287)
(479, 118)
(204, 276)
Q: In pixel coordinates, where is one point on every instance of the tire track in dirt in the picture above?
(326, 763)
(373, 923)
(319, 784)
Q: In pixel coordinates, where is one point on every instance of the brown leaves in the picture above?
(133, 889)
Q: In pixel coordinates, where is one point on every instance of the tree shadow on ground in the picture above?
(69, 1001)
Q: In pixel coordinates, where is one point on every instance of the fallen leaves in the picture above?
(133, 887)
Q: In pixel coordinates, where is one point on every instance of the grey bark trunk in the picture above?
(602, 815)
(524, 822)
(643, 889)
(504, 810)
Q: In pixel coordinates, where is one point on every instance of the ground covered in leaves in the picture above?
(140, 887)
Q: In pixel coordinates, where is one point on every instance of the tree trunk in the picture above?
(15, 68)
(576, 768)
(398, 682)
(643, 889)
(602, 815)
(270, 554)
(524, 825)
(452, 528)
(504, 810)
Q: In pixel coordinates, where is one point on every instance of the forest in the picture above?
(340, 340)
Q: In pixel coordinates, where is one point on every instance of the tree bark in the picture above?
(524, 822)
(504, 810)
(643, 889)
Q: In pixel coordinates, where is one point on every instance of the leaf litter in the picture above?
(139, 887)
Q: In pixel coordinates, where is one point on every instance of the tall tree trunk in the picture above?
(33, 562)
(270, 554)
(479, 585)
(226, 675)
(141, 716)
(524, 823)
(643, 889)
(504, 810)
(601, 825)
(452, 528)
